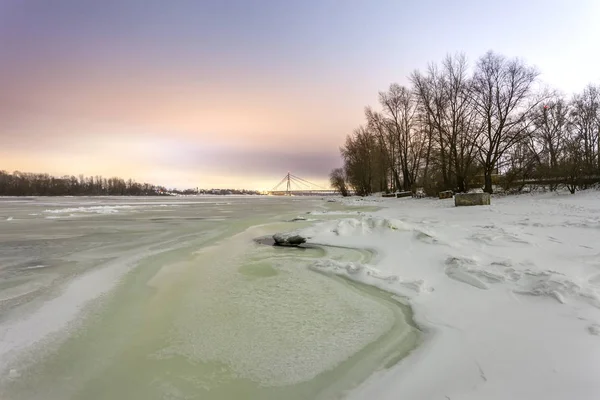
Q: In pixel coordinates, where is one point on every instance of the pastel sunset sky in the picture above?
(237, 93)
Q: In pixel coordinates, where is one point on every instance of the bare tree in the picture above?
(426, 132)
(502, 94)
(400, 107)
(585, 118)
(360, 153)
(381, 127)
(550, 123)
(572, 166)
(446, 103)
(546, 141)
(337, 178)
(521, 162)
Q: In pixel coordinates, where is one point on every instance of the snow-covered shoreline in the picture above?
(507, 295)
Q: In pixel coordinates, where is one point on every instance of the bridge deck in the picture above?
(302, 192)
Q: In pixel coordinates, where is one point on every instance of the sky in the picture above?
(223, 94)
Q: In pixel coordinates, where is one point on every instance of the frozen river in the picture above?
(171, 298)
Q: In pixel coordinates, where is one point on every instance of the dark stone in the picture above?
(288, 239)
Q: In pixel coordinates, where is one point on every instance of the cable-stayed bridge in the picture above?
(292, 185)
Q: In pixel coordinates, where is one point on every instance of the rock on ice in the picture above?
(288, 239)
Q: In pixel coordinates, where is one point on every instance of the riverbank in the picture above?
(123, 298)
(507, 295)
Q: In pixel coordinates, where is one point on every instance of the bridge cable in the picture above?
(310, 183)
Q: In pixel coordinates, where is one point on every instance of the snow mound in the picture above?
(369, 275)
(499, 238)
(459, 269)
(424, 236)
(594, 329)
(525, 281)
(360, 201)
(13, 374)
(303, 219)
(365, 225)
(557, 286)
(336, 213)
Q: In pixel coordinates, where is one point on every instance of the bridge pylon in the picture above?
(296, 186)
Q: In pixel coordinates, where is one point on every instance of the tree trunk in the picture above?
(444, 168)
(407, 184)
(488, 181)
(460, 184)
(396, 179)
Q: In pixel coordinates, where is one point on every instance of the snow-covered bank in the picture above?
(507, 294)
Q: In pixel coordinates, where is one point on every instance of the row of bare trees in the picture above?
(458, 127)
(30, 184)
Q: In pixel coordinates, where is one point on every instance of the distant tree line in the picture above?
(30, 184)
(455, 128)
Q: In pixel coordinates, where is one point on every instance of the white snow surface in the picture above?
(508, 295)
